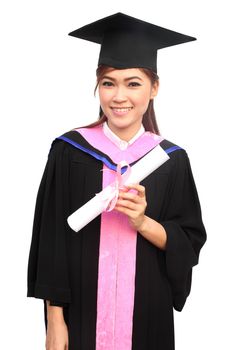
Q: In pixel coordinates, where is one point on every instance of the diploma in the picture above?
(99, 203)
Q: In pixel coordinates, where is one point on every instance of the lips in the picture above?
(121, 109)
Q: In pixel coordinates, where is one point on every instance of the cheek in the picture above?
(143, 99)
(104, 96)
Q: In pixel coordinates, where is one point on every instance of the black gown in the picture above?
(63, 264)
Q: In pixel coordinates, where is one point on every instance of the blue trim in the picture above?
(92, 153)
(103, 159)
(172, 149)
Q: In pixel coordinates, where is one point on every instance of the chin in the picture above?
(120, 124)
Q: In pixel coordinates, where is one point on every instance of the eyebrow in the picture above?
(126, 79)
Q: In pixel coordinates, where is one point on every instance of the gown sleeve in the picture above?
(48, 259)
(184, 228)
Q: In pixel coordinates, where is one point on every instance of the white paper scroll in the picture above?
(95, 206)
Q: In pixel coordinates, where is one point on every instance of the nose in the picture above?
(119, 95)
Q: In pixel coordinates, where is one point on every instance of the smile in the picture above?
(121, 110)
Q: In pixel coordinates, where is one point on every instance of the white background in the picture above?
(47, 80)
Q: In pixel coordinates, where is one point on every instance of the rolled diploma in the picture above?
(139, 171)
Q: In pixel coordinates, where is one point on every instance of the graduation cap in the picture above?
(128, 42)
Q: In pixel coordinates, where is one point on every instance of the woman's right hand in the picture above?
(57, 331)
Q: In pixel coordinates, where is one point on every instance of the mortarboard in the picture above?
(128, 42)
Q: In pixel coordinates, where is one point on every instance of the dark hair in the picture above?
(149, 118)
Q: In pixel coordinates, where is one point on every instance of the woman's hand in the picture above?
(57, 332)
(133, 204)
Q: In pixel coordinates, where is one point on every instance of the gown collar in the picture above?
(96, 138)
(121, 144)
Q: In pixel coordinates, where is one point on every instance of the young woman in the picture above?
(114, 284)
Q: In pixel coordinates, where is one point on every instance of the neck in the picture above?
(124, 134)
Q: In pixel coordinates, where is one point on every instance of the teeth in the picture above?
(122, 109)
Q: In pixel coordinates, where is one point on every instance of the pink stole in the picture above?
(117, 254)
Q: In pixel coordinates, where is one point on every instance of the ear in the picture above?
(154, 90)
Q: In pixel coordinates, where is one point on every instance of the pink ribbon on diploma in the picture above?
(109, 195)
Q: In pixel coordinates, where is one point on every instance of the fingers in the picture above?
(124, 203)
(133, 200)
(133, 192)
(139, 188)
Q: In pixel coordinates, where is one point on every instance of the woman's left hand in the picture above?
(133, 204)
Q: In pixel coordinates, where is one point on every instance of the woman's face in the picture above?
(124, 97)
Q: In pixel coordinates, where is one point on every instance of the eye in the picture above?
(134, 83)
(107, 83)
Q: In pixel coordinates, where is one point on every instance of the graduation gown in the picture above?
(64, 265)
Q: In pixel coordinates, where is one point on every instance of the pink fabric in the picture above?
(136, 150)
(117, 255)
(116, 280)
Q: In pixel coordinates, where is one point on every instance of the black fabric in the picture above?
(79, 139)
(63, 265)
(128, 42)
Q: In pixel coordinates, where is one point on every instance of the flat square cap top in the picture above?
(128, 42)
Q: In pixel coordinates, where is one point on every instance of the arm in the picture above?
(57, 333)
(48, 264)
(154, 232)
(180, 230)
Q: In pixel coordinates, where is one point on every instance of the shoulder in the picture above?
(73, 146)
(174, 150)
(71, 135)
(167, 144)
(69, 138)
(179, 159)
(61, 147)
(75, 138)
